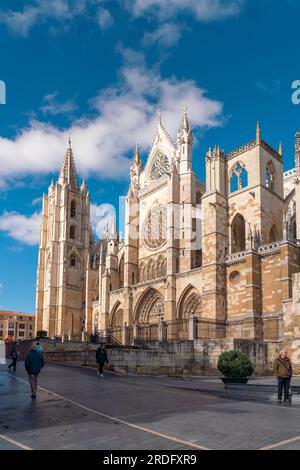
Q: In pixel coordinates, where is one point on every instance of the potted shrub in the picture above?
(235, 367)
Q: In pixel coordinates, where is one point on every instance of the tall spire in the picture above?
(185, 121)
(68, 171)
(184, 134)
(258, 133)
(113, 230)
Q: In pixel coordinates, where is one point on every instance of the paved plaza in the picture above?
(77, 410)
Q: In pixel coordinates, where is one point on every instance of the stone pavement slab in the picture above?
(153, 413)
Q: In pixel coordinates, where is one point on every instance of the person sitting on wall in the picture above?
(283, 371)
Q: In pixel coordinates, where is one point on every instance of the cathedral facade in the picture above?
(219, 259)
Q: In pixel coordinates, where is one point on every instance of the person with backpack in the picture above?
(15, 355)
(283, 371)
(34, 362)
(101, 358)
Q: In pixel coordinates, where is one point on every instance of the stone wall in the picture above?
(166, 358)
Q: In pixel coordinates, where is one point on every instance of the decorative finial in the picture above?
(258, 133)
(137, 158)
(69, 140)
(83, 186)
(280, 149)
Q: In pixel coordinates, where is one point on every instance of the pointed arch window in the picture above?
(239, 177)
(73, 210)
(270, 176)
(238, 234)
(72, 232)
(73, 260)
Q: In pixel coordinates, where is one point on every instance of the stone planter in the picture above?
(234, 380)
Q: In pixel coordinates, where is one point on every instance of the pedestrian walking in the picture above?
(283, 371)
(101, 358)
(34, 362)
(15, 356)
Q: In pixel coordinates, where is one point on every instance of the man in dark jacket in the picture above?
(101, 358)
(15, 355)
(283, 371)
(34, 362)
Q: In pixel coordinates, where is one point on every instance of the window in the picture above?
(11, 332)
(21, 333)
(73, 209)
(11, 325)
(270, 176)
(274, 236)
(1, 334)
(72, 232)
(239, 178)
(30, 327)
(21, 326)
(73, 261)
(238, 234)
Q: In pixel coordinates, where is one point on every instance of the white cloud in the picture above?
(104, 18)
(123, 115)
(26, 228)
(102, 216)
(202, 10)
(168, 12)
(37, 201)
(23, 228)
(38, 11)
(167, 35)
(53, 107)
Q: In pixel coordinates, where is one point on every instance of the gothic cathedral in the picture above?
(219, 259)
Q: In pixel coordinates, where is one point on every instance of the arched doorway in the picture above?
(116, 322)
(150, 310)
(238, 234)
(190, 303)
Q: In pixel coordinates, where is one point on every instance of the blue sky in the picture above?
(101, 70)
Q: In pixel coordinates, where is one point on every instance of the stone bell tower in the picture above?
(63, 254)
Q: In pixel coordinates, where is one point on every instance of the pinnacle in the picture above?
(68, 173)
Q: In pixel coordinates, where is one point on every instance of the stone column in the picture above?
(192, 327)
(162, 331)
(125, 335)
(136, 331)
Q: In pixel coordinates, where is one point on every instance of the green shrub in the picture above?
(235, 364)
(41, 334)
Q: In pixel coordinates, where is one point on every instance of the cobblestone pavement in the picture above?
(77, 410)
